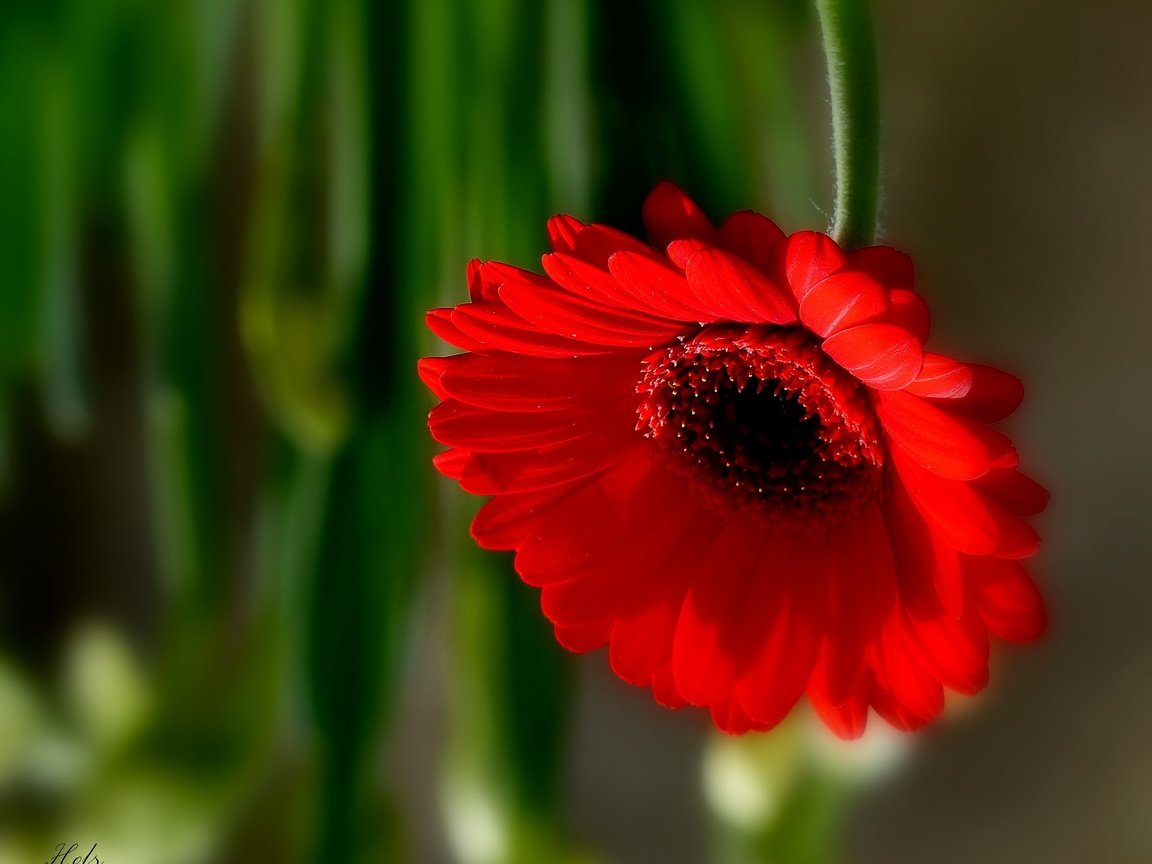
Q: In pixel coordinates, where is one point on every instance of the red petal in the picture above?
(994, 395)
(643, 634)
(669, 215)
(841, 301)
(890, 267)
(597, 243)
(907, 309)
(881, 355)
(753, 237)
(440, 322)
(928, 569)
(736, 289)
(811, 257)
(559, 312)
(495, 327)
(895, 712)
(562, 232)
(982, 393)
(871, 568)
(591, 243)
(703, 660)
(664, 690)
(1017, 538)
(479, 288)
(458, 424)
(507, 382)
(583, 637)
(506, 521)
(1009, 603)
(524, 471)
(861, 593)
(616, 557)
(593, 527)
(942, 378)
(953, 650)
(1018, 492)
(586, 281)
(451, 463)
(944, 444)
(847, 720)
(679, 251)
(784, 612)
(497, 274)
(950, 507)
(659, 287)
(636, 282)
(903, 676)
(969, 521)
(729, 716)
(431, 371)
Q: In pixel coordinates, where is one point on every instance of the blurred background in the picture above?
(241, 618)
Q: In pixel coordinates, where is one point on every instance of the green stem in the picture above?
(850, 51)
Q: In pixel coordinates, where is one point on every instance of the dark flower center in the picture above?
(759, 417)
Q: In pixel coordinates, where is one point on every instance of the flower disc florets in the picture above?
(757, 417)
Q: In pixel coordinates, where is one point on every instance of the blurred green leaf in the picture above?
(310, 234)
(568, 99)
(22, 243)
(733, 64)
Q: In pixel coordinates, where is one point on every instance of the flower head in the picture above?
(728, 457)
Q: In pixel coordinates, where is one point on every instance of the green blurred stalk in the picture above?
(806, 831)
(775, 798)
(853, 80)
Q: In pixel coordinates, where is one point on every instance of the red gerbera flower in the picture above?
(728, 457)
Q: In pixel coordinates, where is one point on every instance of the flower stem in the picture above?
(850, 52)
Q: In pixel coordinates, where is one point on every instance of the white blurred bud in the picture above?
(104, 686)
(748, 778)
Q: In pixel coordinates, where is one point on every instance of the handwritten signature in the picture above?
(62, 853)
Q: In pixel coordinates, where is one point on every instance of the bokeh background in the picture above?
(239, 616)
